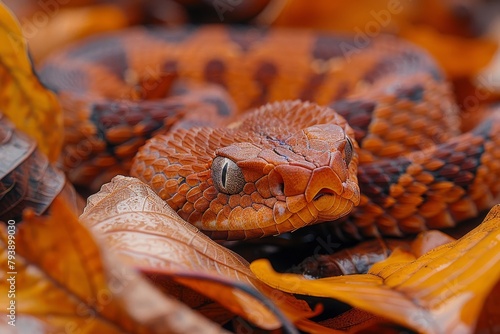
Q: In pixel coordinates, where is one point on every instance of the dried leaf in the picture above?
(488, 80)
(27, 179)
(137, 224)
(433, 25)
(72, 24)
(475, 54)
(64, 281)
(23, 98)
(442, 291)
(362, 17)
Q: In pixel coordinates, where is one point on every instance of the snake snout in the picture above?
(332, 196)
(323, 181)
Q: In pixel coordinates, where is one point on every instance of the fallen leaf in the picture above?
(365, 18)
(442, 291)
(23, 98)
(27, 178)
(72, 24)
(64, 281)
(444, 48)
(433, 25)
(488, 80)
(139, 226)
(428, 240)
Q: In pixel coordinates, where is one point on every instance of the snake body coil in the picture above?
(386, 150)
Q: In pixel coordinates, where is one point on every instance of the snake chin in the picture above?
(332, 207)
(332, 203)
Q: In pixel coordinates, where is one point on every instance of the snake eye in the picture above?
(227, 176)
(348, 151)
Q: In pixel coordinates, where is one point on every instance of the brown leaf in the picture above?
(138, 225)
(23, 98)
(64, 281)
(442, 291)
(27, 178)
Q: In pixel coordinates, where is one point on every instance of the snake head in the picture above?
(277, 170)
(307, 178)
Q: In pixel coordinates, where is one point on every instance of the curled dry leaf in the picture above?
(23, 98)
(138, 225)
(27, 178)
(64, 281)
(445, 290)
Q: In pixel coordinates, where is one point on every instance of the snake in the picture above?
(249, 132)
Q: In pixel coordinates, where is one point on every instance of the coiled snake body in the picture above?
(386, 150)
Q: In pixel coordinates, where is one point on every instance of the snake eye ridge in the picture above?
(348, 151)
(227, 176)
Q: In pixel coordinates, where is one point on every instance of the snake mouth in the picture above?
(324, 192)
(333, 202)
(332, 207)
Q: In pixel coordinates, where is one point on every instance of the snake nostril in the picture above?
(323, 192)
(278, 189)
(276, 184)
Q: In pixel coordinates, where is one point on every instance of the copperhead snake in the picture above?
(335, 129)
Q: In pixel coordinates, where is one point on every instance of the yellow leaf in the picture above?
(61, 280)
(72, 24)
(30, 106)
(443, 291)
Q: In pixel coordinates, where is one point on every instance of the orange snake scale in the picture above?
(335, 129)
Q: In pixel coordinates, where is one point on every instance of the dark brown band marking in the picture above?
(215, 71)
(327, 47)
(358, 114)
(264, 76)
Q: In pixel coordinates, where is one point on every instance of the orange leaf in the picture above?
(23, 98)
(72, 24)
(138, 224)
(458, 56)
(442, 291)
(64, 281)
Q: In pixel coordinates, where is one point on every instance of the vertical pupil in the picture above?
(224, 174)
(348, 151)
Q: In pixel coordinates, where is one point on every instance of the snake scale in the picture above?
(367, 132)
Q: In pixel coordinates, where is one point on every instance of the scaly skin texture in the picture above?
(288, 164)
(295, 171)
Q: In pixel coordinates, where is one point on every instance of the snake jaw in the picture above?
(330, 196)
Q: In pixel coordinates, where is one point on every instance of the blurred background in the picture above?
(463, 35)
